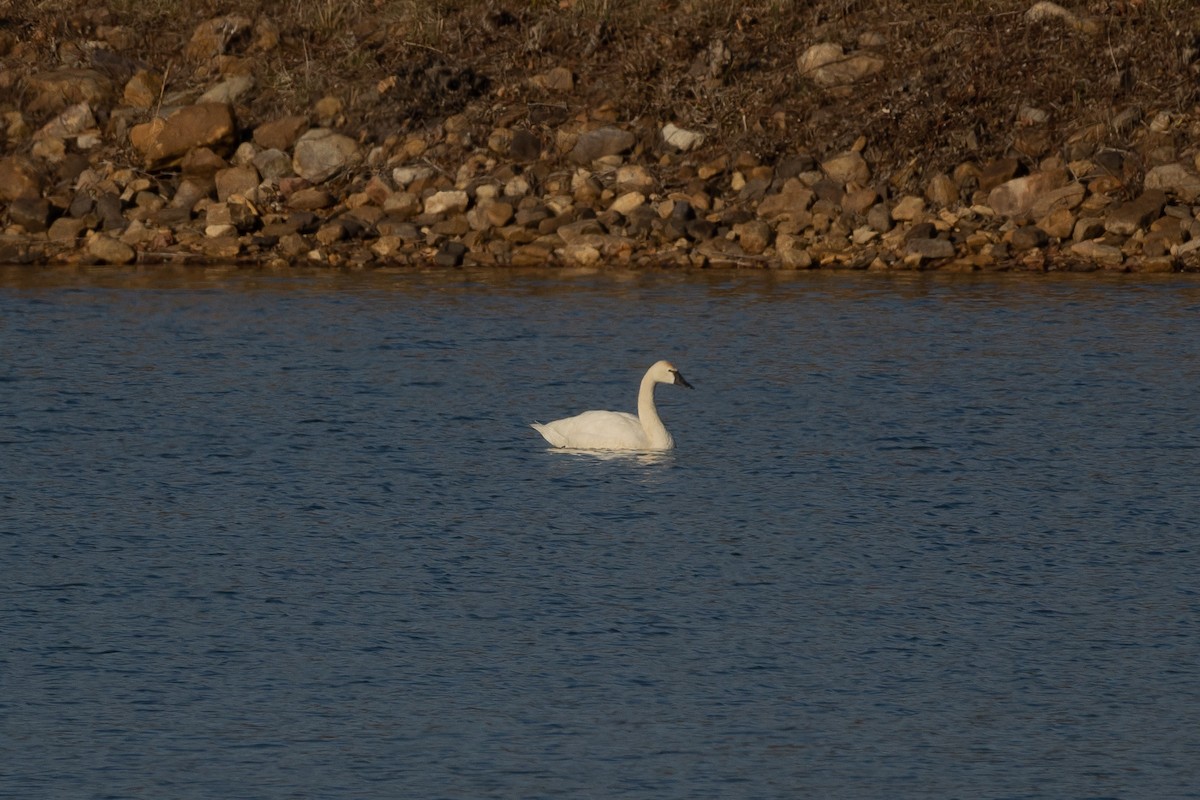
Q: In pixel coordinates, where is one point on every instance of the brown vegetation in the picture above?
(834, 132)
(958, 72)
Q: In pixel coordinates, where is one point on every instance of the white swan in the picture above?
(617, 430)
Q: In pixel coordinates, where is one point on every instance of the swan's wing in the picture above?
(596, 430)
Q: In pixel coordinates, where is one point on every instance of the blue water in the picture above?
(290, 536)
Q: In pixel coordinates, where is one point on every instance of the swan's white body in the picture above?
(618, 430)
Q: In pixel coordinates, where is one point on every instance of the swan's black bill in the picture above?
(680, 380)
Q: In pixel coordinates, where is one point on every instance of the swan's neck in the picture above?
(656, 432)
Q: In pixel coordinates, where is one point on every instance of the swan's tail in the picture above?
(549, 434)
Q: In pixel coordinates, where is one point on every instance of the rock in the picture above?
(754, 236)
(65, 229)
(520, 145)
(879, 217)
(558, 79)
(500, 141)
(214, 37)
(388, 246)
(403, 205)
(792, 253)
(1028, 116)
(600, 143)
(144, 89)
(634, 178)
(1136, 214)
(294, 245)
(224, 219)
(579, 255)
(266, 35)
(228, 91)
(310, 198)
(1065, 197)
(525, 146)
(241, 180)
(929, 249)
(1088, 228)
(377, 190)
(201, 162)
(31, 213)
(68, 124)
(680, 138)
(328, 111)
(490, 214)
(190, 192)
(53, 91)
(330, 233)
(49, 149)
(627, 202)
(221, 248)
(859, 201)
(406, 176)
(447, 202)
(942, 191)
(1165, 235)
(118, 37)
(908, 208)
(827, 65)
(793, 201)
(1098, 253)
(1028, 237)
(109, 250)
(450, 254)
(280, 134)
(15, 126)
(1016, 197)
(1177, 180)
(19, 177)
(994, 173)
(272, 163)
(1059, 223)
(165, 141)
(847, 168)
(533, 254)
(322, 153)
(864, 234)
(1046, 11)
(581, 231)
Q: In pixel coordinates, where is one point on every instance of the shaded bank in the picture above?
(901, 136)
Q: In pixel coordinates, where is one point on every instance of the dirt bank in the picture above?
(372, 133)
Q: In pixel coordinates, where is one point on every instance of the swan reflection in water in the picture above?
(640, 457)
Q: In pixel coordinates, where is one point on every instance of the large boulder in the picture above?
(1176, 179)
(1016, 197)
(164, 141)
(19, 178)
(53, 91)
(322, 153)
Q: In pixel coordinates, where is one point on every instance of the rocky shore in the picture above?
(108, 166)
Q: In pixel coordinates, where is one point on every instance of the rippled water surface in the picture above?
(269, 537)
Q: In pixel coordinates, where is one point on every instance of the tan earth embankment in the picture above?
(583, 134)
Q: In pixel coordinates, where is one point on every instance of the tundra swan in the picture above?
(618, 430)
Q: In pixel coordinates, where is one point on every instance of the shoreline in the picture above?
(102, 167)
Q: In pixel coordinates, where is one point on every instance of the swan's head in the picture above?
(665, 372)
